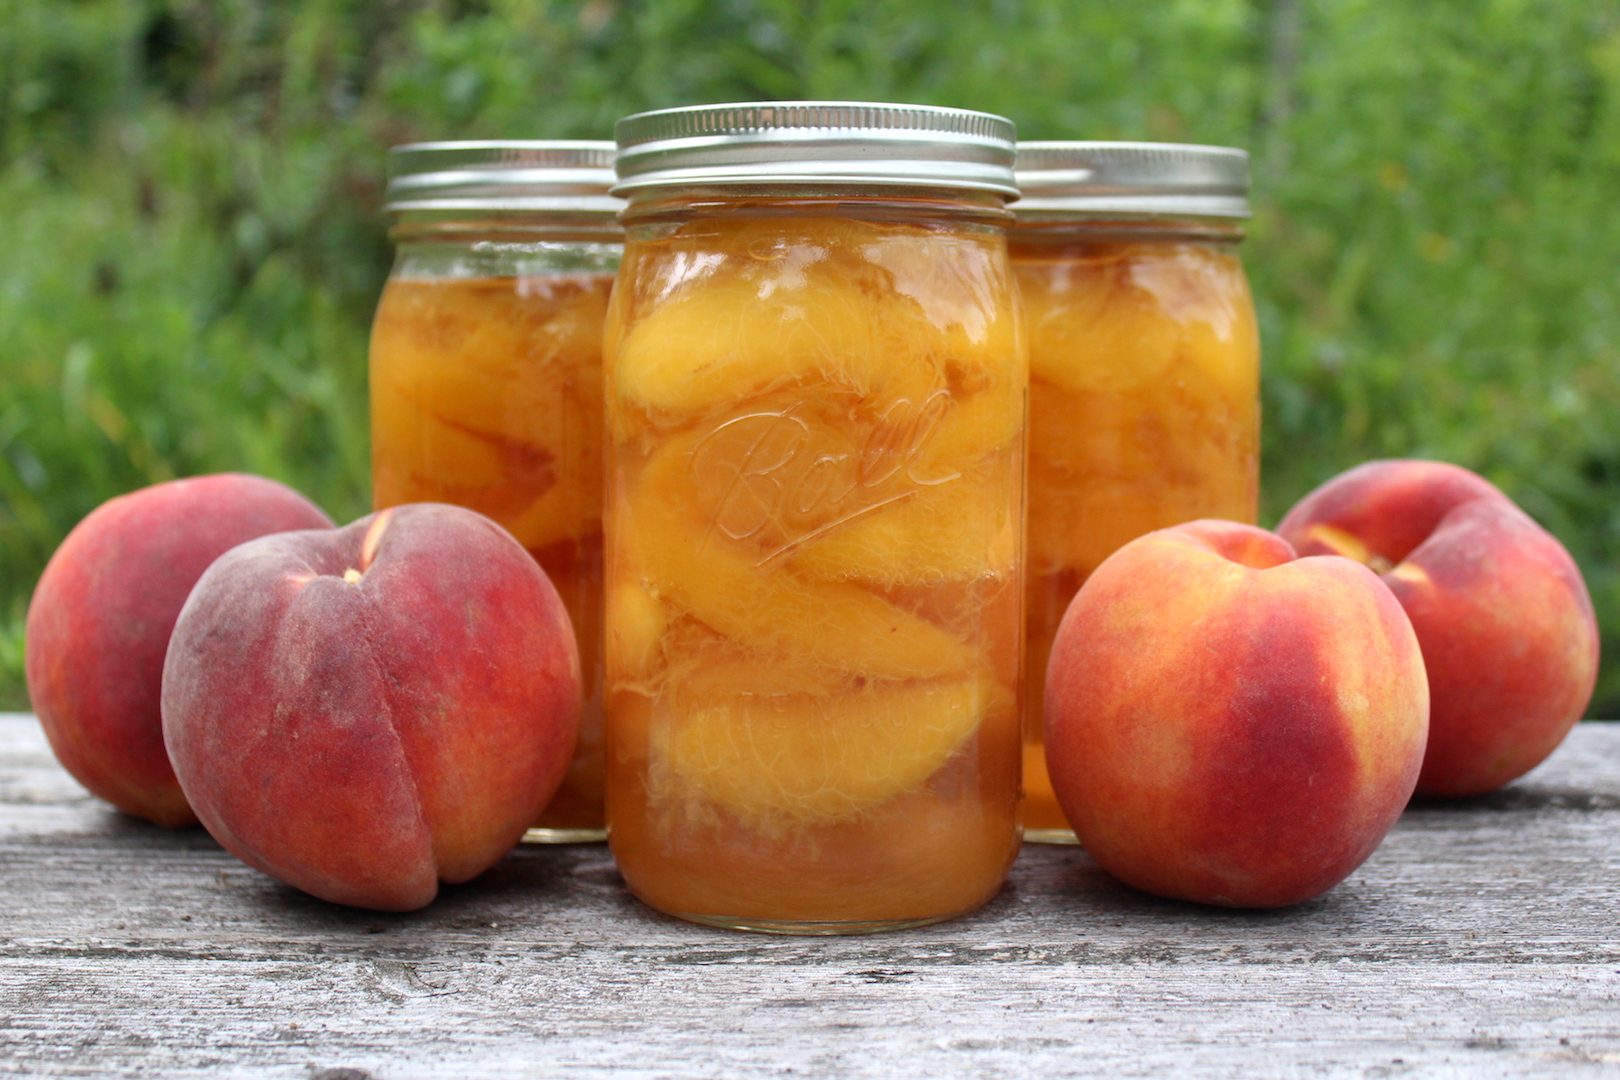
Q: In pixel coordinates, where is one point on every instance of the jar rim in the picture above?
(569, 176)
(1138, 178)
(818, 144)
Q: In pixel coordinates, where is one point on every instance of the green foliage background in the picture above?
(190, 240)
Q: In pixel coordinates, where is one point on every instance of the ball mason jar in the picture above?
(815, 398)
(486, 375)
(1144, 399)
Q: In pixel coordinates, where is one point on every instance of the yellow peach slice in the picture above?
(486, 394)
(636, 623)
(789, 472)
(1229, 360)
(736, 338)
(495, 474)
(1115, 321)
(982, 427)
(803, 759)
(877, 312)
(722, 583)
(1095, 331)
(563, 513)
(956, 531)
(483, 356)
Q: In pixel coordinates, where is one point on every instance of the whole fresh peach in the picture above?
(1506, 625)
(99, 623)
(365, 712)
(1229, 724)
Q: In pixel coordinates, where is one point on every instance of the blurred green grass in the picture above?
(189, 195)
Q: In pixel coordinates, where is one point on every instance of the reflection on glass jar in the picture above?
(486, 375)
(1144, 372)
(816, 410)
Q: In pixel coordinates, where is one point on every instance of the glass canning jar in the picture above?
(1144, 400)
(815, 395)
(486, 375)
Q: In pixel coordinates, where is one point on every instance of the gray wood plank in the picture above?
(1479, 940)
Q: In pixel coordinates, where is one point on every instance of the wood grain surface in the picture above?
(1480, 940)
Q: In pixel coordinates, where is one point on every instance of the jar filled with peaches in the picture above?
(1144, 401)
(815, 379)
(486, 375)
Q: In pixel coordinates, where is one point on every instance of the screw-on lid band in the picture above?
(563, 176)
(816, 143)
(1132, 178)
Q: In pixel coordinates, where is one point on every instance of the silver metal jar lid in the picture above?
(562, 176)
(1132, 178)
(816, 143)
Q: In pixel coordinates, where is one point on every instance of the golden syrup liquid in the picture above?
(1144, 413)
(487, 393)
(814, 590)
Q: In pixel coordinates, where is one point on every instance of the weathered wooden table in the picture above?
(1480, 940)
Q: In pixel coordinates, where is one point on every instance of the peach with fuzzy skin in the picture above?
(1230, 724)
(99, 622)
(1507, 629)
(365, 712)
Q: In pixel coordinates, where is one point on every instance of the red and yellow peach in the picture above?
(99, 624)
(1509, 638)
(1229, 724)
(365, 712)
